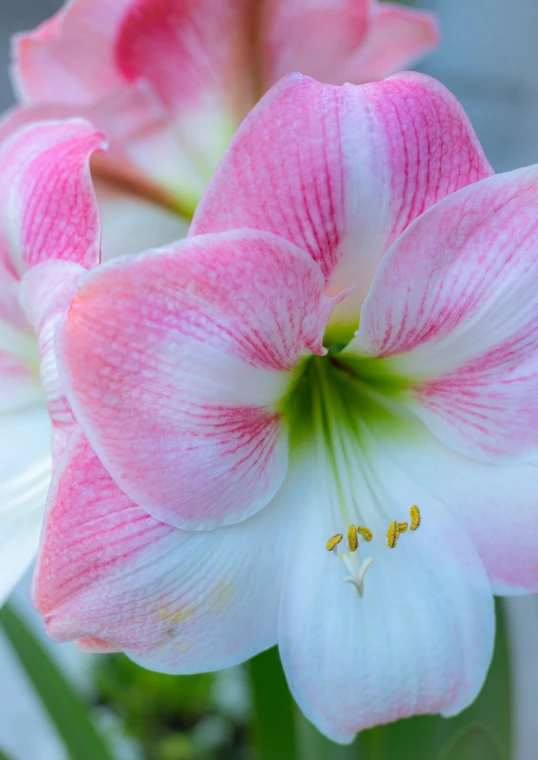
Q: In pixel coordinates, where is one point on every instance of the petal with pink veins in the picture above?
(173, 600)
(195, 56)
(46, 292)
(464, 329)
(175, 363)
(337, 41)
(341, 172)
(48, 208)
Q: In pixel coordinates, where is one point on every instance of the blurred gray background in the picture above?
(489, 59)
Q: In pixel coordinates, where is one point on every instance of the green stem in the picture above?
(274, 727)
(66, 710)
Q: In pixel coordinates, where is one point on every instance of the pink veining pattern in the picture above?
(46, 195)
(202, 64)
(189, 348)
(465, 325)
(356, 166)
(115, 577)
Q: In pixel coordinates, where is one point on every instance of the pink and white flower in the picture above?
(311, 422)
(169, 82)
(47, 211)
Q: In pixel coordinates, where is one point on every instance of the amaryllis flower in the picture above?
(47, 211)
(169, 81)
(309, 423)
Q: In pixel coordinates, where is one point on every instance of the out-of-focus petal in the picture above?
(419, 641)
(341, 172)
(337, 41)
(175, 601)
(25, 470)
(48, 208)
(70, 57)
(464, 329)
(396, 37)
(195, 56)
(131, 224)
(175, 363)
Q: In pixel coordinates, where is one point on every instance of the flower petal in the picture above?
(46, 292)
(47, 201)
(195, 55)
(25, 469)
(175, 601)
(464, 329)
(419, 641)
(70, 57)
(495, 505)
(131, 224)
(339, 41)
(396, 38)
(341, 172)
(175, 362)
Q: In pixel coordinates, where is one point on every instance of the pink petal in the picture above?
(175, 601)
(396, 38)
(175, 363)
(47, 201)
(315, 38)
(70, 57)
(194, 55)
(341, 172)
(339, 41)
(455, 304)
(46, 292)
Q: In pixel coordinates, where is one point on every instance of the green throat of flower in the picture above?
(332, 407)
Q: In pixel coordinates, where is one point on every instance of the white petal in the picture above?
(25, 470)
(421, 638)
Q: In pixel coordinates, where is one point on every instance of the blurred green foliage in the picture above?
(170, 717)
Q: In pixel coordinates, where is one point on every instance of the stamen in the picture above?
(393, 533)
(402, 527)
(358, 579)
(333, 542)
(366, 533)
(414, 514)
(352, 538)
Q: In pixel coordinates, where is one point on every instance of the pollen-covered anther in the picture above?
(393, 533)
(414, 514)
(402, 527)
(352, 538)
(333, 542)
(366, 533)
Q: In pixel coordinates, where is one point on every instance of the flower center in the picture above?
(332, 408)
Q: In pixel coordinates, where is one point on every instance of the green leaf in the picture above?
(3, 756)
(426, 737)
(274, 721)
(65, 708)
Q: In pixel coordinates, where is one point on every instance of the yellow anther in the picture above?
(366, 533)
(402, 527)
(352, 538)
(393, 533)
(414, 514)
(333, 542)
